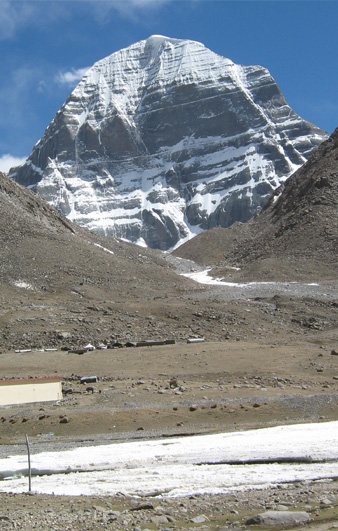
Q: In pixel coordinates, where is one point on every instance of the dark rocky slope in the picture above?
(294, 237)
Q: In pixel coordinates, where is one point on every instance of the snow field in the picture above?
(183, 466)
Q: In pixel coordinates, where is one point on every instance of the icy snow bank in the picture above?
(182, 466)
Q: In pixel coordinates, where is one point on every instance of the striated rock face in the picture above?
(165, 139)
(295, 235)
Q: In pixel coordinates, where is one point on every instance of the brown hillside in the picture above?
(63, 285)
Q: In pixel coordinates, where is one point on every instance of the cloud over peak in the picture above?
(72, 77)
(8, 161)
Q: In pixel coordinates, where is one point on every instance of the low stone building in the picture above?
(30, 390)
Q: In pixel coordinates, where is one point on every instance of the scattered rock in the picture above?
(160, 519)
(99, 508)
(200, 519)
(277, 518)
(143, 507)
(281, 507)
(173, 382)
(7, 519)
(325, 501)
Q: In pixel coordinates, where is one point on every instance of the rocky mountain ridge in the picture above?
(295, 235)
(165, 139)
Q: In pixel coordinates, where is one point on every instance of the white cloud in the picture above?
(129, 9)
(145, 3)
(8, 161)
(14, 94)
(12, 18)
(71, 77)
(18, 14)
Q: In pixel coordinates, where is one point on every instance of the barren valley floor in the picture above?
(169, 390)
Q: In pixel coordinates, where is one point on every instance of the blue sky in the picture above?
(46, 45)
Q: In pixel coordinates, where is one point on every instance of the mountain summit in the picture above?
(165, 139)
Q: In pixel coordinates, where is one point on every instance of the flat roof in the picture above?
(25, 381)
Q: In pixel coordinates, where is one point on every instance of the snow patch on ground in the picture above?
(182, 466)
(22, 284)
(103, 248)
(202, 277)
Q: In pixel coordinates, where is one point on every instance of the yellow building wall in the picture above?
(30, 392)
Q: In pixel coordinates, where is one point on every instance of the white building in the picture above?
(31, 390)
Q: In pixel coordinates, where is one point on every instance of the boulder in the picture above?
(279, 518)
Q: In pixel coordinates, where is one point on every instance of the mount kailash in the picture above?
(165, 139)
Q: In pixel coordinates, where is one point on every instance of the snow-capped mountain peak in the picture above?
(164, 139)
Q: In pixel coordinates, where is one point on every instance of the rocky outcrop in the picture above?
(295, 235)
(165, 139)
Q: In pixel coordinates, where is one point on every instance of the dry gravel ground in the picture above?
(234, 385)
(203, 513)
(267, 359)
(149, 392)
